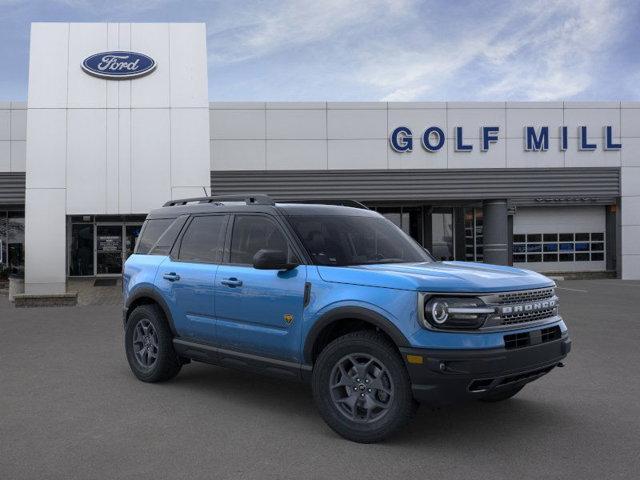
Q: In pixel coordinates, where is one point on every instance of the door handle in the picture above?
(231, 282)
(172, 277)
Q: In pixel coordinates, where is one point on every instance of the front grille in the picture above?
(525, 317)
(551, 333)
(517, 340)
(525, 339)
(525, 296)
(526, 306)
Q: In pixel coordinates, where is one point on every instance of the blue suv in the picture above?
(336, 296)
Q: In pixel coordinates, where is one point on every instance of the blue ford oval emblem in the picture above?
(118, 65)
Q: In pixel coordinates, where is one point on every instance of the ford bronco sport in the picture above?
(339, 297)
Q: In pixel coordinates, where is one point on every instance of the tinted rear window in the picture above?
(203, 241)
(151, 232)
(168, 238)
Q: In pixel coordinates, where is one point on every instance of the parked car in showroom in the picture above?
(336, 296)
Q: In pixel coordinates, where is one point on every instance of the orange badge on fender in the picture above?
(288, 318)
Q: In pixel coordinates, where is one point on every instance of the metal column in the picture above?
(495, 235)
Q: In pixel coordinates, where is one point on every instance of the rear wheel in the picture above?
(149, 345)
(501, 395)
(362, 388)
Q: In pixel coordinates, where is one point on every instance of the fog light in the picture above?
(415, 359)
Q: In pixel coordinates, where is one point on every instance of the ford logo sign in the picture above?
(118, 65)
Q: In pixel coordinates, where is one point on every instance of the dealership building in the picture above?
(118, 120)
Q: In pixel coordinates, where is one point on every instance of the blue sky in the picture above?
(377, 49)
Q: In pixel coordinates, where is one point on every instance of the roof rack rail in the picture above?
(249, 199)
(342, 203)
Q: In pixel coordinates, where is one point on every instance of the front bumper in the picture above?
(450, 376)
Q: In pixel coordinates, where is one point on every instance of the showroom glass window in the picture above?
(559, 247)
(11, 242)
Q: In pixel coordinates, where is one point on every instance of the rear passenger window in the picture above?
(204, 240)
(151, 232)
(168, 238)
(252, 233)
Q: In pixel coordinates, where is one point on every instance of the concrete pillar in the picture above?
(611, 243)
(495, 234)
(459, 241)
(104, 147)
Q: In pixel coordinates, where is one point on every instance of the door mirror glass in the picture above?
(272, 260)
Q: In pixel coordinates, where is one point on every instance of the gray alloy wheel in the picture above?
(361, 387)
(148, 342)
(145, 343)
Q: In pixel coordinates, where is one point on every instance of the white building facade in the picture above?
(552, 186)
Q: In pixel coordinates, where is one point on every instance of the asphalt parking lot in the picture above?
(70, 408)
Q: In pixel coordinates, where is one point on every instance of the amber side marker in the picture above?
(415, 359)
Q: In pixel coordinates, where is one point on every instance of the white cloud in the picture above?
(410, 49)
(400, 49)
(254, 33)
(110, 5)
(559, 61)
(413, 75)
(542, 51)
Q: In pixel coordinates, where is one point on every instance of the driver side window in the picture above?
(252, 233)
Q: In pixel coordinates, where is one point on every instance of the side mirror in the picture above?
(272, 260)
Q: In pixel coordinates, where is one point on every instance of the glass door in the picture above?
(109, 249)
(473, 234)
(442, 234)
(81, 258)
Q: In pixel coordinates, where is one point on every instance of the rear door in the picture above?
(259, 311)
(187, 277)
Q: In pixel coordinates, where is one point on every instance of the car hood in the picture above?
(437, 277)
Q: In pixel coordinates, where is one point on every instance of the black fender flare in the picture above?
(147, 292)
(356, 313)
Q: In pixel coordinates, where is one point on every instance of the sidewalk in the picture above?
(88, 294)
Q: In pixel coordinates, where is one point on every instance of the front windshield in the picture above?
(341, 240)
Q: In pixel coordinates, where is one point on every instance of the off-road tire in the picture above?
(167, 364)
(401, 406)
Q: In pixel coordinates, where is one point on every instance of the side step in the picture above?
(239, 360)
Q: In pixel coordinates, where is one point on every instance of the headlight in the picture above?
(455, 312)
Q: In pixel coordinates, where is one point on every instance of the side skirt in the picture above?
(201, 352)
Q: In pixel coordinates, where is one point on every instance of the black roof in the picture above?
(258, 203)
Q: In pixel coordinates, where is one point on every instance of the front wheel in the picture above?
(149, 345)
(361, 387)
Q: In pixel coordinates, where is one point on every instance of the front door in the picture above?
(259, 311)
